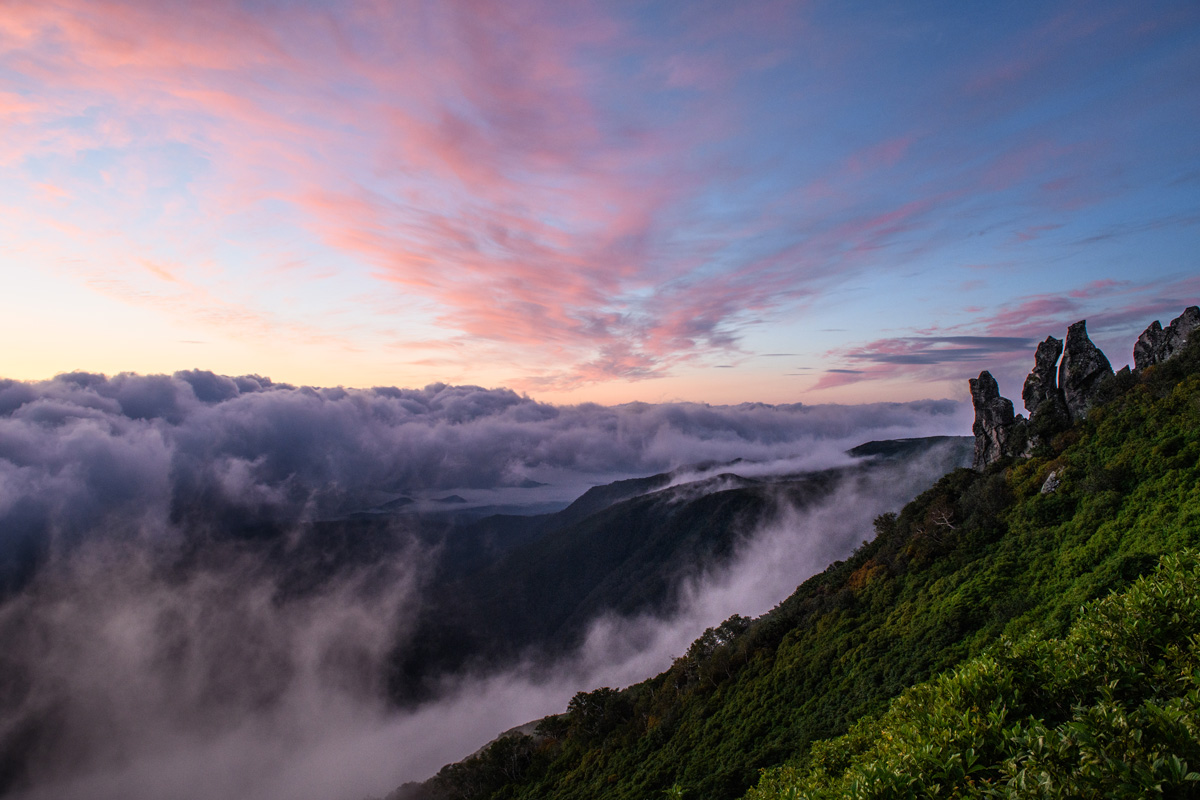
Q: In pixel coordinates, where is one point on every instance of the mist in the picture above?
(127, 675)
(80, 450)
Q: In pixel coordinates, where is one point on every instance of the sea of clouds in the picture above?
(124, 676)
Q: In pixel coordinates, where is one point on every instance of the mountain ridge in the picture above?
(638, 541)
(982, 553)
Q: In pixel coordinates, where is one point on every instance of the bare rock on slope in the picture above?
(1043, 398)
(995, 425)
(1083, 369)
(1156, 345)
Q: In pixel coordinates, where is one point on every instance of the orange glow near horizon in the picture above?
(589, 203)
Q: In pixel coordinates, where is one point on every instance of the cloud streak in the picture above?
(1002, 339)
(572, 195)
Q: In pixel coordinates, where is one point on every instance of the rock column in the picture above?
(994, 420)
(1083, 369)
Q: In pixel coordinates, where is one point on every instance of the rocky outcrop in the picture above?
(995, 426)
(1156, 345)
(1043, 399)
(1148, 346)
(1055, 393)
(1083, 369)
(1054, 404)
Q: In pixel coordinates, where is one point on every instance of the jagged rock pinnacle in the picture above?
(1084, 367)
(1053, 406)
(1043, 399)
(1041, 387)
(1156, 345)
(1148, 346)
(994, 420)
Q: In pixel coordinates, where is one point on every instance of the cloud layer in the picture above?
(126, 678)
(85, 452)
(147, 654)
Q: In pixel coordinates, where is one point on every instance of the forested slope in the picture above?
(979, 555)
(623, 549)
(1110, 710)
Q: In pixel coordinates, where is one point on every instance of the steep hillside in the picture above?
(622, 549)
(1015, 549)
(1110, 710)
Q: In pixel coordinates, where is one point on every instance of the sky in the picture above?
(606, 202)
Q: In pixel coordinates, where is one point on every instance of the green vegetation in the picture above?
(608, 553)
(983, 571)
(1111, 710)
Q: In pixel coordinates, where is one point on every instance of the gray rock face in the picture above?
(1156, 345)
(1041, 387)
(1044, 400)
(1148, 347)
(1054, 404)
(1051, 484)
(1179, 330)
(994, 420)
(1082, 370)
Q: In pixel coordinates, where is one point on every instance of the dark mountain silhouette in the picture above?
(622, 548)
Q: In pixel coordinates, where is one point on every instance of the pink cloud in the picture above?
(473, 162)
(1034, 232)
(1019, 163)
(884, 154)
(1002, 342)
(835, 378)
(511, 202)
(1100, 287)
(1032, 51)
(503, 167)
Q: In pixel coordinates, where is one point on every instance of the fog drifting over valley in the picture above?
(127, 675)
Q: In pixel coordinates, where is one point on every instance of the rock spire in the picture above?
(994, 420)
(1043, 399)
(1082, 370)
(1156, 345)
(1041, 394)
